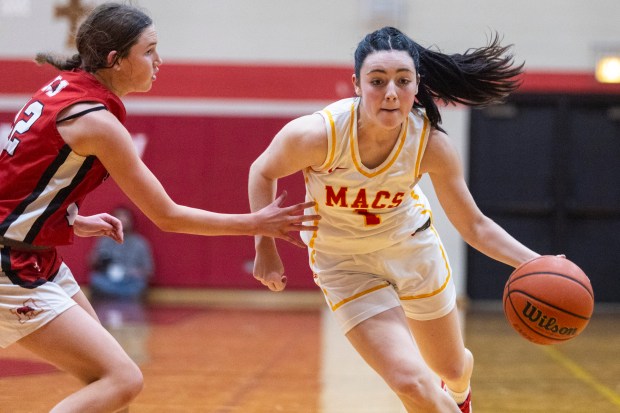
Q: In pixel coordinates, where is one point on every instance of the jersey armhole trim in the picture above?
(331, 141)
(422, 147)
(82, 113)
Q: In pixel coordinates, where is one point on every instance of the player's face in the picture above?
(387, 85)
(139, 69)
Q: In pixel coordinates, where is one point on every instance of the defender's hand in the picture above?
(278, 222)
(99, 225)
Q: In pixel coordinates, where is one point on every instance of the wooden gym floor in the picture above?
(205, 352)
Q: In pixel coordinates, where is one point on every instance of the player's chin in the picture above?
(146, 86)
(391, 119)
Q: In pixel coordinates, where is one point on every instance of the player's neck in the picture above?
(103, 76)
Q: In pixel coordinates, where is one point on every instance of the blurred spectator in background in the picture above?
(121, 270)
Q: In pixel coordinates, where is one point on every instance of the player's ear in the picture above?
(113, 59)
(356, 85)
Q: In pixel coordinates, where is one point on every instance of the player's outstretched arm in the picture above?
(102, 135)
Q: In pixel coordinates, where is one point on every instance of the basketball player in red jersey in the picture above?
(377, 256)
(63, 144)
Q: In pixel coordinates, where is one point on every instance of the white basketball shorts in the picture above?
(414, 274)
(24, 310)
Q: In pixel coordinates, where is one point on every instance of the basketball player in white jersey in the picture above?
(376, 254)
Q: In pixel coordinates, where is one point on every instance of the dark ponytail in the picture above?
(109, 27)
(73, 62)
(477, 78)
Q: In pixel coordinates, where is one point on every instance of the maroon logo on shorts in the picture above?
(27, 311)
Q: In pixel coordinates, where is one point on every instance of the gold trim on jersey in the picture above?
(312, 252)
(416, 198)
(353, 145)
(332, 139)
(421, 147)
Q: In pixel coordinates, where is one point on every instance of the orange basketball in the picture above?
(548, 300)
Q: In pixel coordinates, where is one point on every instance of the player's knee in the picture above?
(453, 372)
(417, 389)
(129, 383)
(457, 371)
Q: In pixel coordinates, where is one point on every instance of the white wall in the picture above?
(548, 34)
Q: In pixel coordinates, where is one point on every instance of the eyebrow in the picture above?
(150, 45)
(385, 71)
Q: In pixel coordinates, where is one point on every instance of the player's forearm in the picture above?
(494, 242)
(261, 192)
(200, 222)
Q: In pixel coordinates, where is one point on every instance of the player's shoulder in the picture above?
(89, 124)
(340, 106)
(439, 142)
(440, 155)
(307, 125)
(305, 137)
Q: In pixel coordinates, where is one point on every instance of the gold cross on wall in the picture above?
(73, 11)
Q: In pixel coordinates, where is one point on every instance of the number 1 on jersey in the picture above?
(369, 218)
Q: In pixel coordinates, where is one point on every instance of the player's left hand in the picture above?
(274, 281)
(99, 225)
(268, 268)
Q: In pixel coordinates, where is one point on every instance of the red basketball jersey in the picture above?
(42, 181)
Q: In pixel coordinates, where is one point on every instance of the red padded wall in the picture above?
(202, 162)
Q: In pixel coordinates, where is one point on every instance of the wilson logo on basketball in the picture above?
(532, 313)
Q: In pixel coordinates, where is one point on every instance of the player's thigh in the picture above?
(385, 343)
(440, 341)
(82, 301)
(75, 342)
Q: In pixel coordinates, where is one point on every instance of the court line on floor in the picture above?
(583, 375)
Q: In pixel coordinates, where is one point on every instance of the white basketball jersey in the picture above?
(364, 210)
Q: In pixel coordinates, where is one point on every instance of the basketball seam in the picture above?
(547, 303)
(511, 280)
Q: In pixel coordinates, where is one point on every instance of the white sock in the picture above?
(459, 398)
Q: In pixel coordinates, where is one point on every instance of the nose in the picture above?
(390, 92)
(158, 60)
